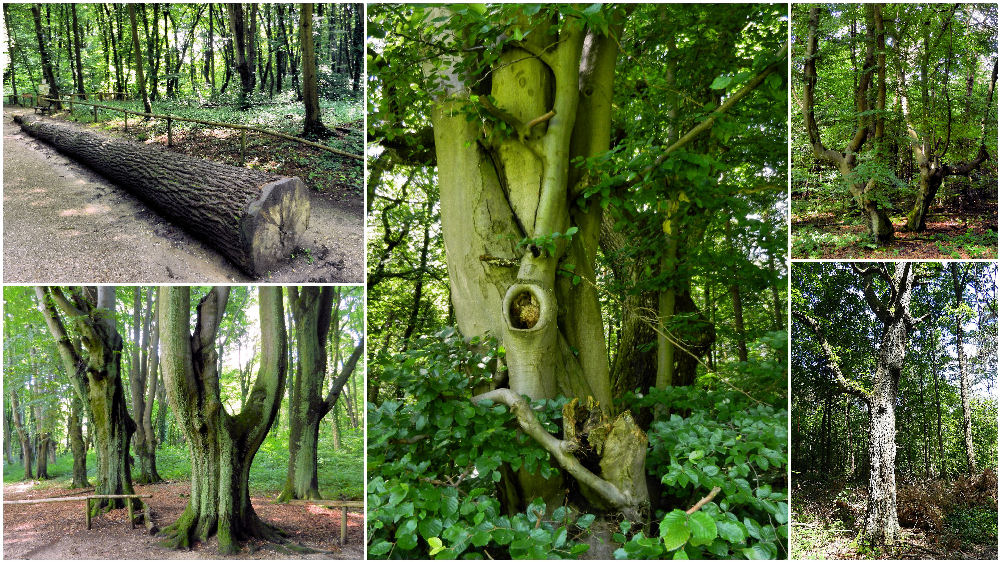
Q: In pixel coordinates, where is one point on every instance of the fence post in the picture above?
(170, 133)
(95, 114)
(243, 146)
(71, 107)
(125, 113)
(87, 507)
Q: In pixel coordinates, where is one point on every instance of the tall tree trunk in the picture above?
(43, 52)
(937, 402)
(137, 53)
(880, 524)
(311, 312)
(960, 277)
(22, 434)
(94, 369)
(310, 94)
(80, 88)
(222, 445)
(77, 444)
(242, 43)
(358, 46)
(741, 337)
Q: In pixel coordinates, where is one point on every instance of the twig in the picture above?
(711, 495)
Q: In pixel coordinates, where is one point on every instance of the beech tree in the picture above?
(310, 94)
(543, 161)
(222, 445)
(312, 309)
(93, 364)
(889, 92)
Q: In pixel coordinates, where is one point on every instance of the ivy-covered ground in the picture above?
(953, 520)
(434, 458)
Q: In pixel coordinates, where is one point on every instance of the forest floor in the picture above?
(59, 530)
(951, 234)
(64, 223)
(824, 516)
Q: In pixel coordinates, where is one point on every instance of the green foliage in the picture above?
(976, 525)
(434, 474)
(716, 439)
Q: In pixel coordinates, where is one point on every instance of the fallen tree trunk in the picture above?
(252, 218)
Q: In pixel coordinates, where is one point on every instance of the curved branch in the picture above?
(560, 450)
(719, 112)
(850, 387)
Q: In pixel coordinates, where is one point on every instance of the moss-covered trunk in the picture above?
(93, 363)
(222, 445)
(77, 444)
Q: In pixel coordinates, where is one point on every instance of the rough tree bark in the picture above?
(222, 445)
(43, 52)
(880, 524)
(311, 312)
(252, 218)
(244, 50)
(137, 54)
(879, 225)
(94, 369)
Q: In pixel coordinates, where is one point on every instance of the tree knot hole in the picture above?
(525, 310)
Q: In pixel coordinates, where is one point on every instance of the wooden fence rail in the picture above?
(171, 118)
(343, 505)
(89, 498)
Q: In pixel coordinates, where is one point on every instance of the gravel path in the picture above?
(63, 223)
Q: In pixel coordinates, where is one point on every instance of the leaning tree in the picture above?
(222, 445)
(93, 362)
(887, 289)
(869, 116)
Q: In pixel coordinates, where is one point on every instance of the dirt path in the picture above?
(65, 224)
(58, 530)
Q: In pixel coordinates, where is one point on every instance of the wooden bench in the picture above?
(88, 499)
(343, 505)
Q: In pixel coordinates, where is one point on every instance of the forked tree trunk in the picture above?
(311, 313)
(494, 193)
(252, 218)
(880, 524)
(95, 372)
(222, 445)
(879, 225)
